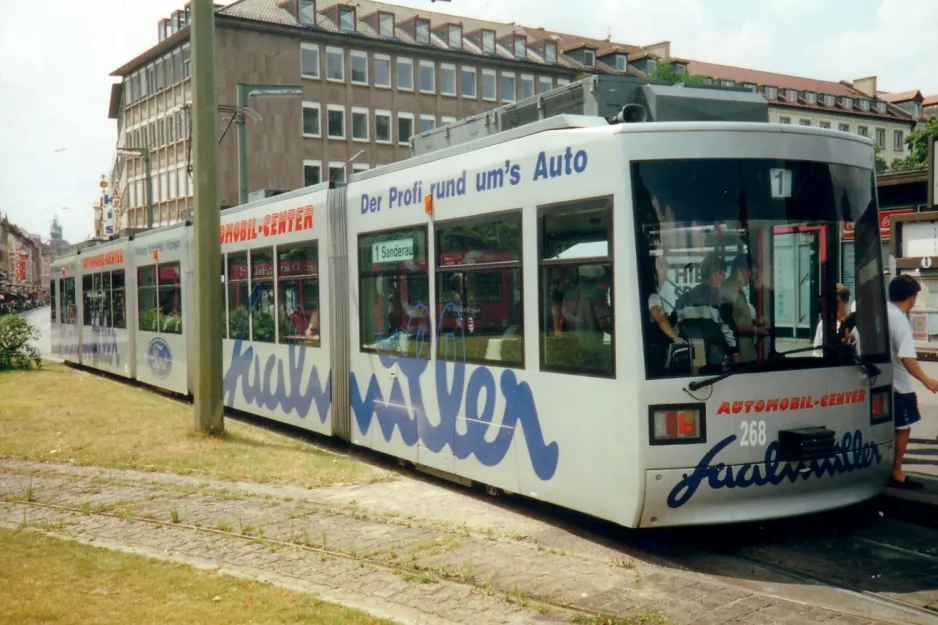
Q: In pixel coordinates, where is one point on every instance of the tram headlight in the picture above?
(880, 405)
(677, 424)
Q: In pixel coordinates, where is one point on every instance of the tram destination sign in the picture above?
(392, 251)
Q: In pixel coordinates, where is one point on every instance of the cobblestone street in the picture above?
(406, 550)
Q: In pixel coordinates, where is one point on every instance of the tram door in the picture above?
(797, 260)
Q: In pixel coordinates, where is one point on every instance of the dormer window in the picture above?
(521, 47)
(488, 42)
(680, 68)
(864, 105)
(727, 83)
(652, 65)
(847, 102)
(770, 92)
(829, 99)
(750, 86)
(917, 110)
(589, 58)
(455, 37)
(881, 107)
(347, 19)
(306, 12)
(810, 97)
(791, 95)
(386, 24)
(422, 31)
(622, 63)
(550, 52)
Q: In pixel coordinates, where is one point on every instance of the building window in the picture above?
(825, 124)
(185, 61)
(335, 64)
(261, 304)
(358, 168)
(455, 37)
(810, 97)
(881, 137)
(847, 103)
(898, 140)
(386, 24)
(508, 87)
(172, 184)
(312, 175)
(337, 171)
(784, 120)
(298, 291)
(575, 288)
(311, 120)
(307, 12)
(170, 70)
(469, 82)
(427, 77)
(383, 71)
(490, 284)
(489, 85)
(405, 74)
(359, 124)
(405, 127)
(652, 65)
(881, 107)
(422, 31)
(589, 58)
(383, 126)
(170, 131)
(488, 42)
(336, 121)
(563, 81)
(829, 99)
(804, 122)
(427, 122)
(447, 79)
(346, 19)
(527, 86)
(844, 127)
(550, 52)
(727, 83)
(521, 47)
(863, 131)
(445, 120)
(622, 63)
(864, 105)
(359, 66)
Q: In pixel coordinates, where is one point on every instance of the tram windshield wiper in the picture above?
(871, 369)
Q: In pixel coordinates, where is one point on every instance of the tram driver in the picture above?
(703, 320)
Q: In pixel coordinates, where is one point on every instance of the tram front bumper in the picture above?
(716, 493)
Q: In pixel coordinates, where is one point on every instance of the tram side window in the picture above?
(118, 301)
(69, 314)
(103, 314)
(146, 299)
(238, 318)
(575, 288)
(394, 292)
(478, 290)
(298, 286)
(223, 325)
(169, 285)
(88, 299)
(262, 305)
(52, 298)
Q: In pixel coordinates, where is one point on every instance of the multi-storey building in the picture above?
(372, 74)
(20, 262)
(850, 107)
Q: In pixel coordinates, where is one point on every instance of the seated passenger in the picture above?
(701, 316)
(846, 329)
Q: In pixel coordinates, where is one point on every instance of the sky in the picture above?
(56, 57)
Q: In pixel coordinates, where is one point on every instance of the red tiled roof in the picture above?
(931, 100)
(782, 81)
(572, 42)
(902, 96)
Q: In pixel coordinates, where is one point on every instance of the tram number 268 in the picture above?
(753, 434)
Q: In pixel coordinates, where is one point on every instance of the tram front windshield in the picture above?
(739, 261)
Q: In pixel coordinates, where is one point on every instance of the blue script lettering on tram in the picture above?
(286, 393)
(852, 454)
(564, 164)
(101, 346)
(452, 393)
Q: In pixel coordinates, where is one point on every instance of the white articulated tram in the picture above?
(485, 312)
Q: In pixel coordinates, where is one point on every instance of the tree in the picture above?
(667, 72)
(881, 165)
(918, 147)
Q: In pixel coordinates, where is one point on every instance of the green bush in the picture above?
(15, 350)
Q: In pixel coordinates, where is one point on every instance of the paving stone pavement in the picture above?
(403, 550)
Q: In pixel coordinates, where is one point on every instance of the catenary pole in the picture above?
(206, 254)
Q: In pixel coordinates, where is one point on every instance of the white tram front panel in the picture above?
(451, 366)
(276, 330)
(164, 312)
(106, 333)
(792, 430)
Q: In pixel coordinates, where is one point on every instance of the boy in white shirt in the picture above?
(903, 291)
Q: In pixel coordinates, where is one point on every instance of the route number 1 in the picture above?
(781, 182)
(753, 434)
